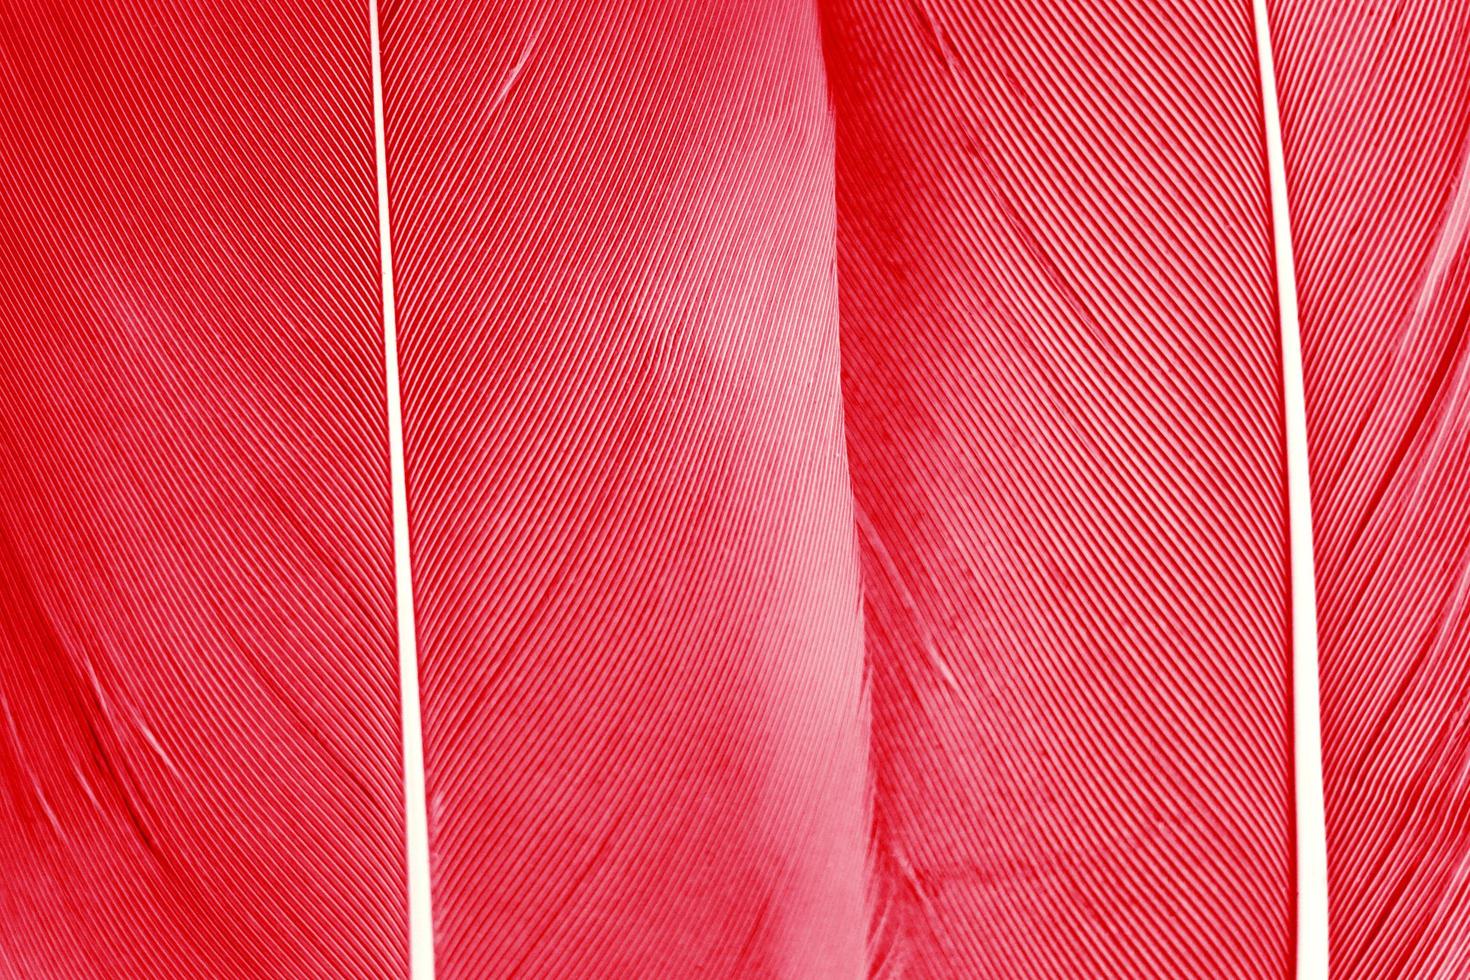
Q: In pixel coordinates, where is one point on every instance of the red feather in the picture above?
(1375, 120)
(845, 458)
(632, 539)
(199, 758)
(1062, 380)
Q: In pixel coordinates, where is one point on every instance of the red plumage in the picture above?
(1375, 107)
(199, 746)
(846, 487)
(1063, 401)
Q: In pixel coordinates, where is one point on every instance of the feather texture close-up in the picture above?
(1375, 120)
(735, 488)
(198, 684)
(637, 588)
(1063, 404)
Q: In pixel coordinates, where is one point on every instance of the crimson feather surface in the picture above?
(838, 552)
(1062, 381)
(1375, 112)
(199, 758)
(631, 528)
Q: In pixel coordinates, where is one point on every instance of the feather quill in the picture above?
(1375, 105)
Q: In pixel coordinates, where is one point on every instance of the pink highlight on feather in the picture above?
(631, 524)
